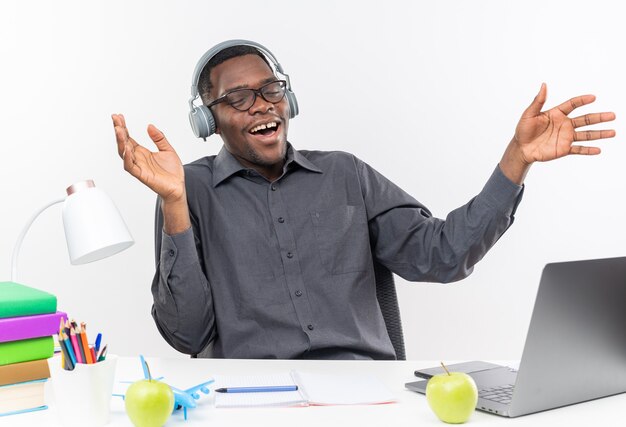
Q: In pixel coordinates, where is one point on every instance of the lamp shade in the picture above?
(94, 228)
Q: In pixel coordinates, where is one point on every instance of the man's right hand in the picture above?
(161, 171)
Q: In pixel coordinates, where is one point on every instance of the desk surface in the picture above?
(411, 409)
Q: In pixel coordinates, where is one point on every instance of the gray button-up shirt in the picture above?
(284, 269)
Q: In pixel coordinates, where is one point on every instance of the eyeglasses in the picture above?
(243, 99)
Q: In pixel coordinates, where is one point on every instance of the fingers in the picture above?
(121, 134)
(130, 161)
(535, 107)
(590, 135)
(592, 119)
(572, 104)
(159, 139)
(122, 141)
(126, 145)
(585, 151)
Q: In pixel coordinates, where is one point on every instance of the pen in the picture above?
(263, 389)
(103, 354)
(98, 340)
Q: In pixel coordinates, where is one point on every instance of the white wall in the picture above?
(426, 92)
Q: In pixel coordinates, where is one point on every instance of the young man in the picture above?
(267, 252)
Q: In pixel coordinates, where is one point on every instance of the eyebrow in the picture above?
(245, 86)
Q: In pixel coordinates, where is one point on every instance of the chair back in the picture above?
(388, 301)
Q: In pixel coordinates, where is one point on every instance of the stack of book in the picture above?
(28, 321)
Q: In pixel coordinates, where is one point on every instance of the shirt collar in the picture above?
(295, 156)
(226, 165)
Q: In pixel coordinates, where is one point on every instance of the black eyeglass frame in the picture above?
(255, 92)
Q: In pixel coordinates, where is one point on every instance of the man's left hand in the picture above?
(541, 136)
(547, 135)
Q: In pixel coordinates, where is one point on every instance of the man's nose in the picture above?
(260, 105)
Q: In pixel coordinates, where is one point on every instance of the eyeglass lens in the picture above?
(243, 99)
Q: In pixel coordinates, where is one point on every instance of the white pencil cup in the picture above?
(83, 395)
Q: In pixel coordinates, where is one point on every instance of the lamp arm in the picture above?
(20, 239)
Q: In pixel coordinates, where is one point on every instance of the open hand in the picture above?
(161, 171)
(547, 135)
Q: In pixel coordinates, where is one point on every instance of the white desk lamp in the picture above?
(94, 228)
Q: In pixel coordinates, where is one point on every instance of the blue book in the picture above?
(38, 408)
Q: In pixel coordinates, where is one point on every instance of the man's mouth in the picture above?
(265, 129)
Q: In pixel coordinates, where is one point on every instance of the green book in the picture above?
(21, 300)
(25, 350)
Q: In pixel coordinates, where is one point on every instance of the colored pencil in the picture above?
(85, 342)
(68, 365)
(69, 348)
(79, 339)
(79, 355)
(93, 354)
(66, 327)
(64, 364)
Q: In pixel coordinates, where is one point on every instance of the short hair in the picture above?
(204, 81)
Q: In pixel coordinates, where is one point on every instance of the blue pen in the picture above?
(265, 389)
(98, 340)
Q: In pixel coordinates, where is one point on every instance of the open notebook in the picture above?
(313, 389)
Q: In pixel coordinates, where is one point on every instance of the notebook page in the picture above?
(280, 398)
(326, 389)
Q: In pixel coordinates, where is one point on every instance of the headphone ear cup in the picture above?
(202, 121)
(293, 104)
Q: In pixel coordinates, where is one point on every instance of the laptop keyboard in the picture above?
(500, 394)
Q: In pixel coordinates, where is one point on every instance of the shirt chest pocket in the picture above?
(342, 238)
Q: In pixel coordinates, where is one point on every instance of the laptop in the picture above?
(575, 348)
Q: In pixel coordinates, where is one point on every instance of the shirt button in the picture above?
(273, 187)
(310, 327)
(171, 252)
(281, 219)
(298, 293)
(289, 255)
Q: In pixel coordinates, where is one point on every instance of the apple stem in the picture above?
(149, 374)
(444, 368)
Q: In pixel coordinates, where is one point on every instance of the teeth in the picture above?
(263, 126)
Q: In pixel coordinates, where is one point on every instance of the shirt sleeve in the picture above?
(183, 304)
(408, 240)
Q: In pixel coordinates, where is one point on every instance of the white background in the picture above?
(428, 93)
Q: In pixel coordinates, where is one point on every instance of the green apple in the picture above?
(452, 396)
(149, 403)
